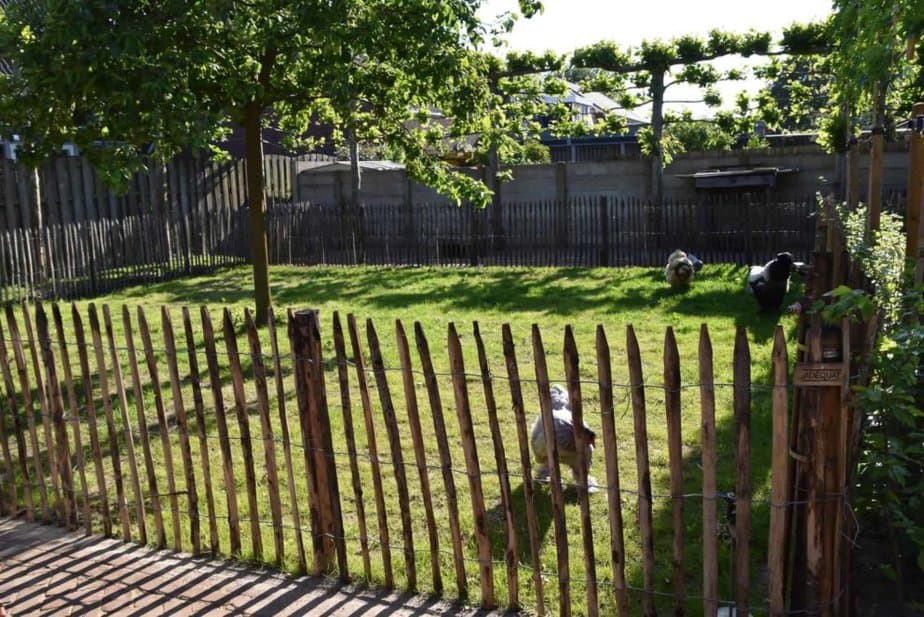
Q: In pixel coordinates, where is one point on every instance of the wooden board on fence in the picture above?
(611, 452)
(519, 413)
(637, 384)
(554, 471)
(710, 463)
(778, 542)
(103, 376)
(470, 449)
(818, 374)
(675, 455)
(742, 407)
(90, 405)
(211, 356)
(397, 456)
(442, 442)
(143, 437)
(500, 458)
(199, 407)
(286, 442)
(420, 457)
(372, 446)
(269, 444)
(153, 374)
(240, 405)
(349, 435)
(182, 423)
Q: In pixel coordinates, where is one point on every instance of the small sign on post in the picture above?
(818, 374)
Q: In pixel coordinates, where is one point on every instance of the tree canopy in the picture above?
(123, 79)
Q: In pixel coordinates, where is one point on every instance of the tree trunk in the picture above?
(256, 200)
(657, 132)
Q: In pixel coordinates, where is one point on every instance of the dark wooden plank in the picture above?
(240, 405)
(128, 436)
(199, 408)
(555, 480)
(397, 456)
(470, 450)
(710, 463)
(269, 442)
(532, 523)
(675, 457)
(221, 421)
(372, 446)
(742, 406)
(573, 377)
(611, 450)
(779, 491)
(439, 426)
(637, 383)
(143, 436)
(103, 376)
(90, 408)
(287, 444)
(67, 504)
(163, 427)
(349, 435)
(182, 423)
(511, 552)
(420, 456)
(18, 429)
(40, 386)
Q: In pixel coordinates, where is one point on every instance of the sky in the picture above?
(567, 24)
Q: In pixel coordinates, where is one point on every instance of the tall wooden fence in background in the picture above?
(602, 230)
(211, 437)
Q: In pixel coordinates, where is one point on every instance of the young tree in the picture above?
(124, 77)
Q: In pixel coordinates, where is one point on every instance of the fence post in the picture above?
(327, 527)
(604, 233)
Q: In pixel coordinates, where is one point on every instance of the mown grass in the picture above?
(549, 297)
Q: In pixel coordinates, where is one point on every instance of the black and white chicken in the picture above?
(680, 268)
(563, 425)
(770, 282)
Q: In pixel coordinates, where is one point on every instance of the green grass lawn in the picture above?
(521, 297)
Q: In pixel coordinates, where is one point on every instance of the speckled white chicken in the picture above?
(563, 423)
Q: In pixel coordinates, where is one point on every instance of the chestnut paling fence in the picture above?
(214, 437)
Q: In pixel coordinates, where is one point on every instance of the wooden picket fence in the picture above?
(294, 491)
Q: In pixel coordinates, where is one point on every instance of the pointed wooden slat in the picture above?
(349, 435)
(43, 400)
(611, 451)
(269, 443)
(73, 410)
(143, 437)
(777, 545)
(675, 456)
(381, 512)
(199, 406)
(126, 426)
(240, 405)
(500, 458)
(221, 421)
(573, 376)
(555, 482)
(28, 409)
(67, 505)
(12, 499)
(397, 457)
(710, 461)
(19, 432)
(442, 442)
(182, 424)
(637, 383)
(470, 450)
(742, 406)
(90, 407)
(410, 397)
(532, 523)
(103, 376)
(287, 443)
(162, 426)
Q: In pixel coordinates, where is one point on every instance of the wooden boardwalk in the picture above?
(45, 570)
